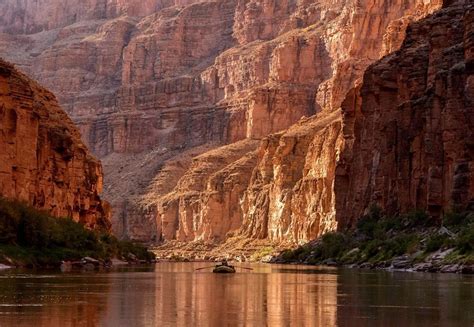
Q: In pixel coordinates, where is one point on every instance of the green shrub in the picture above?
(390, 223)
(332, 246)
(351, 256)
(456, 218)
(401, 244)
(418, 218)
(288, 255)
(435, 242)
(51, 240)
(371, 248)
(368, 223)
(9, 221)
(383, 249)
(379, 238)
(465, 240)
(298, 254)
(125, 248)
(262, 253)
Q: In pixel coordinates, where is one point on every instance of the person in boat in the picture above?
(224, 263)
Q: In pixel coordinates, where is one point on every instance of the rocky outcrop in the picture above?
(132, 84)
(205, 203)
(409, 126)
(290, 198)
(42, 158)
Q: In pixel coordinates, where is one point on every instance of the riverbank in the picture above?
(411, 242)
(32, 238)
(235, 248)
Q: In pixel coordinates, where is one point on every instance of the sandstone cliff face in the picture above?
(168, 77)
(42, 159)
(290, 196)
(409, 127)
(132, 83)
(205, 204)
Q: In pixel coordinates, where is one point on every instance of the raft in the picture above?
(224, 270)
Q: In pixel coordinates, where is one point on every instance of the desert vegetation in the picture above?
(412, 240)
(30, 237)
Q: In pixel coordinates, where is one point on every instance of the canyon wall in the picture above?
(410, 125)
(42, 158)
(290, 195)
(290, 198)
(155, 87)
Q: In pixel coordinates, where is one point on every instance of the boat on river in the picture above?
(224, 269)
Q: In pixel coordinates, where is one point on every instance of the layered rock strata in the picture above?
(42, 158)
(290, 197)
(174, 76)
(205, 203)
(32, 16)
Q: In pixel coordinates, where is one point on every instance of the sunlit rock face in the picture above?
(42, 158)
(157, 80)
(205, 203)
(290, 196)
(411, 124)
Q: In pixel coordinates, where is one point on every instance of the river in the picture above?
(174, 294)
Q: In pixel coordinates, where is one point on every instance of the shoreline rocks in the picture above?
(3, 267)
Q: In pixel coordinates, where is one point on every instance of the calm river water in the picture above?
(173, 294)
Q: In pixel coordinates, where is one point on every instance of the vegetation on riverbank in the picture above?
(29, 237)
(411, 241)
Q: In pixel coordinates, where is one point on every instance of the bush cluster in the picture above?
(378, 237)
(51, 240)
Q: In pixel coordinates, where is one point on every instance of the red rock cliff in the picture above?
(152, 88)
(42, 158)
(290, 194)
(409, 127)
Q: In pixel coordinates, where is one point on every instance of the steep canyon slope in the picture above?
(409, 128)
(42, 158)
(158, 88)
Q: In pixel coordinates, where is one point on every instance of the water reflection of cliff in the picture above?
(174, 297)
(52, 300)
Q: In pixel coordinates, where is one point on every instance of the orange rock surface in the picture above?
(155, 85)
(42, 158)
